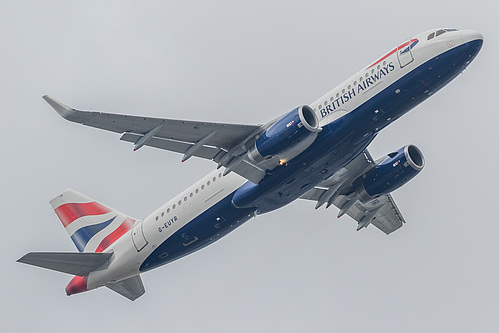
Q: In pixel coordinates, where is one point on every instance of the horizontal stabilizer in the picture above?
(67, 262)
(131, 288)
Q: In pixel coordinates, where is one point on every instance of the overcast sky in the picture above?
(293, 270)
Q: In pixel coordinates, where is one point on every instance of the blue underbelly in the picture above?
(206, 228)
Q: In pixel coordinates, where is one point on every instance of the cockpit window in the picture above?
(439, 32)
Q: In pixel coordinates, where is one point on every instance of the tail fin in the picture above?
(91, 225)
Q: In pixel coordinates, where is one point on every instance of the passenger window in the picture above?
(168, 210)
(208, 183)
(173, 207)
(214, 179)
(162, 214)
(179, 202)
(220, 175)
(439, 32)
(202, 187)
(185, 198)
(191, 195)
(156, 218)
(430, 36)
(197, 191)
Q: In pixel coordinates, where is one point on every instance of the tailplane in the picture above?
(91, 225)
(131, 288)
(67, 262)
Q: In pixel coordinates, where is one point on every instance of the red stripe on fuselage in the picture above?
(116, 234)
(393, 51)
(69, 212)
(383, 58)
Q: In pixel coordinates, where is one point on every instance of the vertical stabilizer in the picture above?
(91, 225)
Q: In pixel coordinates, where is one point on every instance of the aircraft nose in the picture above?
(471, 36)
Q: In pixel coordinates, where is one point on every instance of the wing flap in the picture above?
(75, 263)
(207, 152)
(387, 218)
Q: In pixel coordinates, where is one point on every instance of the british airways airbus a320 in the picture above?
(315, 152)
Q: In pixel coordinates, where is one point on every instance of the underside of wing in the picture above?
(225, 144)
(227, 135)
(338, 190)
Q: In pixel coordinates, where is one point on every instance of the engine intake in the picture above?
(391, 173)
(287, 137)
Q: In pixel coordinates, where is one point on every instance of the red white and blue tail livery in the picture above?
(314, 152)
(91, 225)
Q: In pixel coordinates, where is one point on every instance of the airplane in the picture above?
(315, 152)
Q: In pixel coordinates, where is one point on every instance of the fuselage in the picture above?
(350, 117)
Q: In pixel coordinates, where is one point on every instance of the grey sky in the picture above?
(295, 269)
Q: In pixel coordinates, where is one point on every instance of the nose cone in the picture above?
(77, 285)
(472, 42)
(471, 36)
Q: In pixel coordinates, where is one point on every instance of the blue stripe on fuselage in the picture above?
(338, 143)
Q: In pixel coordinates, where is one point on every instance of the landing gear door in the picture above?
(404, 54)
(138, 236)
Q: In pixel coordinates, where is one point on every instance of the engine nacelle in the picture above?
(287, 137)
(391, 173)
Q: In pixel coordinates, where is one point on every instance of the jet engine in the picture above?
(286, 138)
(391, 173)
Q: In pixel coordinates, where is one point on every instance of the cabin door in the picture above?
(138, 236)
(404, 54)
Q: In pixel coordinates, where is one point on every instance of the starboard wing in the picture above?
(338, 190)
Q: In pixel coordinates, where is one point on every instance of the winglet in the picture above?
(64, 110)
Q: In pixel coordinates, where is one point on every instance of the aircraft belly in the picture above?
(211, 225)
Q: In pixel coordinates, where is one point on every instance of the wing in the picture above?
(338, 190)
(225, 144)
